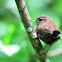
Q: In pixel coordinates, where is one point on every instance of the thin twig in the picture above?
(54, 52)
(26, 20)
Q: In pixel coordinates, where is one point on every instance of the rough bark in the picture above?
(27, 22)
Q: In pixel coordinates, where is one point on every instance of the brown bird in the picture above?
(47, 30)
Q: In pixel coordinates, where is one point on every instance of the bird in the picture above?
(47, 30)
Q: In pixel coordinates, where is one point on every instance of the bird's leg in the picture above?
(48, 49)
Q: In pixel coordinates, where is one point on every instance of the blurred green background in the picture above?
(15, 45)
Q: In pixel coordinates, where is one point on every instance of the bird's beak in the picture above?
(35, 21)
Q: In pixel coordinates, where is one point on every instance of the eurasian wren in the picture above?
(47, 30)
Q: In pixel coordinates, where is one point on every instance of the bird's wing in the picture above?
(48, 27)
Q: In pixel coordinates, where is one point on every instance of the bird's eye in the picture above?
(41, 19)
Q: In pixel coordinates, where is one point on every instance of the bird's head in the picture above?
(42, 19)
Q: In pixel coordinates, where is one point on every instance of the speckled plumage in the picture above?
(47, 30)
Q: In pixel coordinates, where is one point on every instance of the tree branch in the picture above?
(26, 20)
(55, 52)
